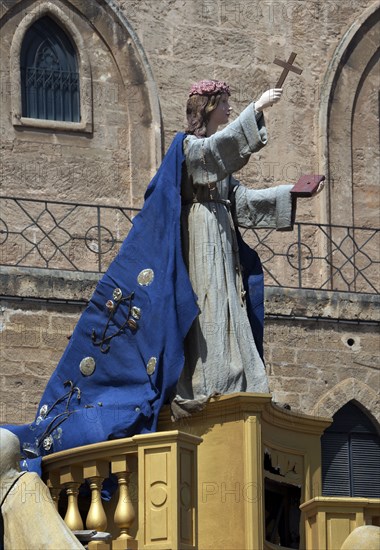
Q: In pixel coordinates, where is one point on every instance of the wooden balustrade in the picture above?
(71, 479)
(53, 483)
(165, 465)
(330, 520)
(125, 514)
(96, 471)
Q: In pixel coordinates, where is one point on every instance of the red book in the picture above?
(307, 185)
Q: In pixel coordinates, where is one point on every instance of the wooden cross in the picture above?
(288, 66)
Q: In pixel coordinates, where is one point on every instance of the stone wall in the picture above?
(137, 60)
(36, 322)
(33, 338)
(104, 160)
(140, 57)
(321, 348)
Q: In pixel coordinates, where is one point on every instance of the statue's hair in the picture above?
(198, 110)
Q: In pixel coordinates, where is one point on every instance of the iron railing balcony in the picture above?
(86, 237)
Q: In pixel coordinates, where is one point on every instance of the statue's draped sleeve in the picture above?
(213, 158)
(264, 208)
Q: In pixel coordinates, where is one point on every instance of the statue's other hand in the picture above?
(319, 188)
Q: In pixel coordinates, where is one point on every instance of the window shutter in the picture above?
(365, 461)
(335, 465)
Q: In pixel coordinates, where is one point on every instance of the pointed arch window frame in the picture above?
(330, 110)
(345, 472)
(85, 125)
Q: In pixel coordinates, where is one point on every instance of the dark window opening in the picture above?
(268, 465)
(351, 455)
(282, 514)
(49, 73)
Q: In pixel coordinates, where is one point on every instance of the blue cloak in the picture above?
(125, 356)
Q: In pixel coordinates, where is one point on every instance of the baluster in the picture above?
(53, 483)
(71, 478)
(122, 466)
(96, 471)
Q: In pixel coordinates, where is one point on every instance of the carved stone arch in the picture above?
(143, 136)
(62, 18)
(347, 390)
(157, 141)
(349, 125)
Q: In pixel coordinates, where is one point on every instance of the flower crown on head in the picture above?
(209, 87)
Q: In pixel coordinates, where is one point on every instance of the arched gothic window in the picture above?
(351, 455)
(49, 73)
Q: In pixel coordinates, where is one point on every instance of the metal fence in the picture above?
(86, 237)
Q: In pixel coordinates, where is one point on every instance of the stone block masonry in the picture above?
(321, 348)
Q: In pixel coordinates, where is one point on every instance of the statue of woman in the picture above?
(221, 355)
(177, 277)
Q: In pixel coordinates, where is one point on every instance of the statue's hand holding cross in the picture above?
(274, 94)
(268, 98)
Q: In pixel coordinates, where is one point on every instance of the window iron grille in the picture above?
(49, 74)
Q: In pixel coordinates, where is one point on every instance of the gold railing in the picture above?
(329, 520)
(156, 500)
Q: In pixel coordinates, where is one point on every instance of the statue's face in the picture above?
(222, 112)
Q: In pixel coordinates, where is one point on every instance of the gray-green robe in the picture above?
(220, 352)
